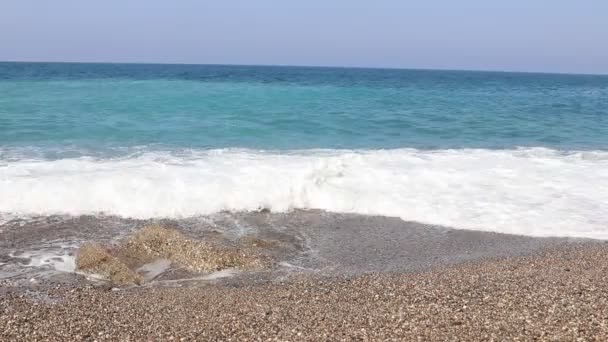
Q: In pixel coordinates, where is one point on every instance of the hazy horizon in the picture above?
(544, 37)
(310, 66)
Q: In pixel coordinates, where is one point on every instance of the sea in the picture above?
(513, 153)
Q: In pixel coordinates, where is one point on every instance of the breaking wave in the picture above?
(532, 191)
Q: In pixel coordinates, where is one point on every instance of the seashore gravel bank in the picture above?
(561, 295)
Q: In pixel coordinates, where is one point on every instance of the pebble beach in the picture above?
(558, 295)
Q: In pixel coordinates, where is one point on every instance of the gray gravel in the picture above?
(560, 296)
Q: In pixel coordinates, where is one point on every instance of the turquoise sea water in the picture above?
(509, 152)
(92, 107)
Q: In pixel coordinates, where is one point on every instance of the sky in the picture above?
(566, 36)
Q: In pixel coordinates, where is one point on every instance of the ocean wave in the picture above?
(529, 191)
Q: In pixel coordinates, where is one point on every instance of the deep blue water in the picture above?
(104, 107)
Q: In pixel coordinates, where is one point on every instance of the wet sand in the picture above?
(332, 277)
(299, 241)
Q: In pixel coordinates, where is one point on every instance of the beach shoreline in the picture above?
(559, 294)
(331, 277)
(43, 250)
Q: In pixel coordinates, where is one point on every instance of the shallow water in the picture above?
(68, 109)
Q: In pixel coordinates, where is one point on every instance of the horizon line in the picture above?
(310, 66)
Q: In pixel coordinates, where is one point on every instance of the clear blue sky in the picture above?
(523, 35)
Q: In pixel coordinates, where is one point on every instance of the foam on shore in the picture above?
(533, 191)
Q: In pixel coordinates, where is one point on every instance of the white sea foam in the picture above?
(538, 192)
(153, 269)
(57, 260)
